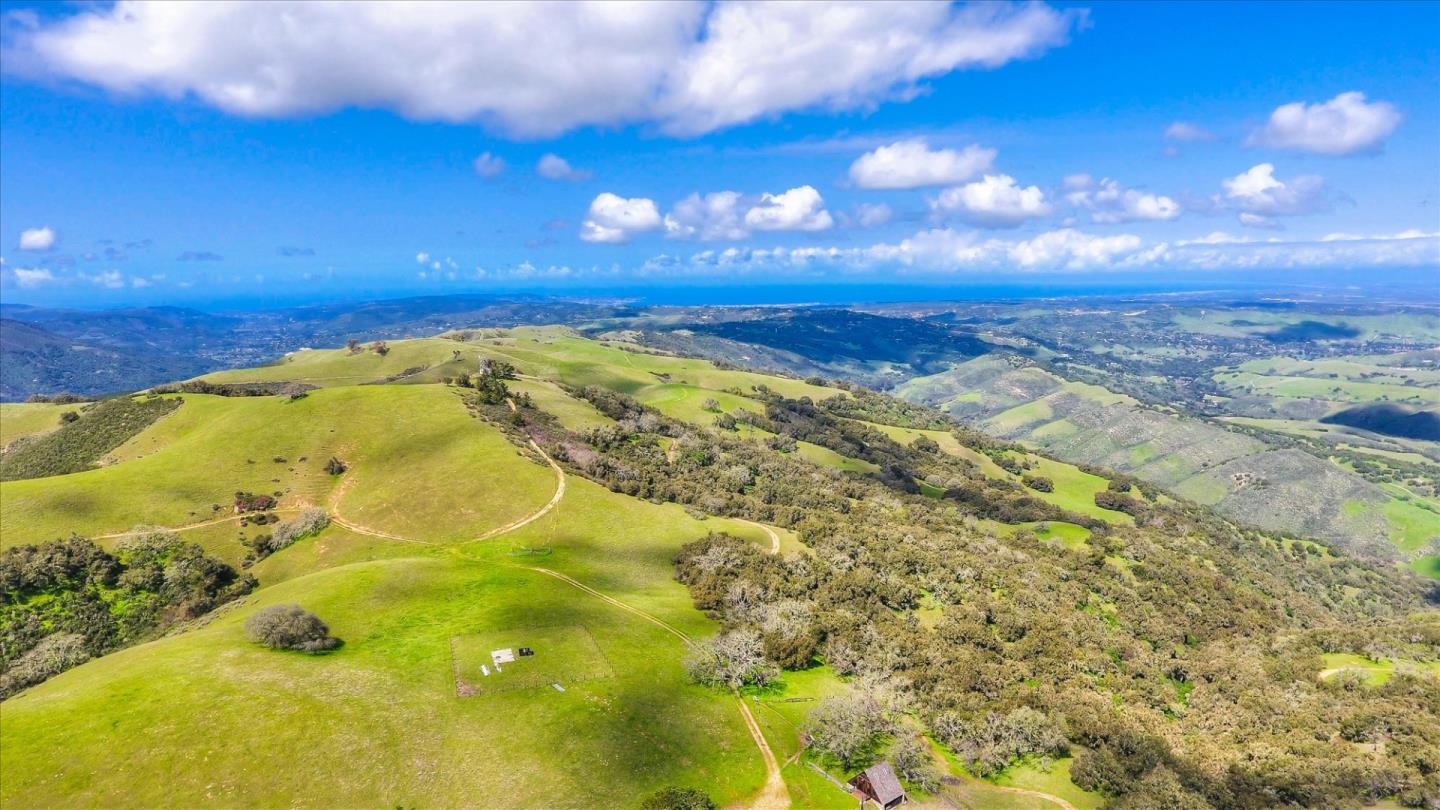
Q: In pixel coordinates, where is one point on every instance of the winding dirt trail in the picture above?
(542, 511)
(774, 536)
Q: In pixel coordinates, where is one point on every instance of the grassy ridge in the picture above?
(419, 466)
(79, 445)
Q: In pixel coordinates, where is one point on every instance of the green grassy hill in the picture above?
(451, 535)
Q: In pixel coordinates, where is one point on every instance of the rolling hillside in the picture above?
(554, 517)
(1283, 490)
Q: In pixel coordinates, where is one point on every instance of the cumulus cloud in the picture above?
(1344, 125)
(1258, 192)
(554, 167)
(422, 258)
(1187, 132)
(913, 164)
(1109, 203)
(691, 67)
(487, 165)
(717, 215)
(614, 219)
(37, 238)
(995, 201)
(28, 278)
(799, 209)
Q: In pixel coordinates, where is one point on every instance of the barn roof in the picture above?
(884, 782)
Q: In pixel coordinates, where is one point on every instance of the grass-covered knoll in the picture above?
(19, 419)
(81, 444)
(382, 725)
(420, 466)
(343, 366)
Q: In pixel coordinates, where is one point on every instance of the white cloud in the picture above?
(1078, 182)
(422, 257)
(1343, 125)
(536, 69)
(913, 164)
(1110, 203)
(1257, 191)
(28, 278)
(945, 250)
(799, 209)
(993, 202)
(1187, 132)
(614, 219)
(844, 55)
(1411, 233)
(717, 215)
(554, 167)
(487, 165)
(871, 216)
(139, 282)
(1258, 221)
(37, 238)
(110, 279)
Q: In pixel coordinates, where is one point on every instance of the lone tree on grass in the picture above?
(290, 627)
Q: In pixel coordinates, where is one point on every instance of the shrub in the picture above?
(68, 417)
(308, 522)
(678, 798)
(710, 404)
(290, 627)
(53, 655)
(1039, 483)
(335, 466)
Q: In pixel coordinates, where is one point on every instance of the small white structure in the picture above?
(504, 656)
(484, 670)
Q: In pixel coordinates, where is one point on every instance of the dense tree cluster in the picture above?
(64, 601)
(1178, 659)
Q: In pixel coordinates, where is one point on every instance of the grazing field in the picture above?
(380, 717)
(19, 419)
(419, 466)
(565, 655)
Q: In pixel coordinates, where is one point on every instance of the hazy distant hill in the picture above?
(36, 360)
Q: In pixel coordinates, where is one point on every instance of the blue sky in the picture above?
(169, 153)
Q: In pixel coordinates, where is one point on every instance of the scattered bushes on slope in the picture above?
(290, 627)
(64, 601)
(80, 444)
(310, 521)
